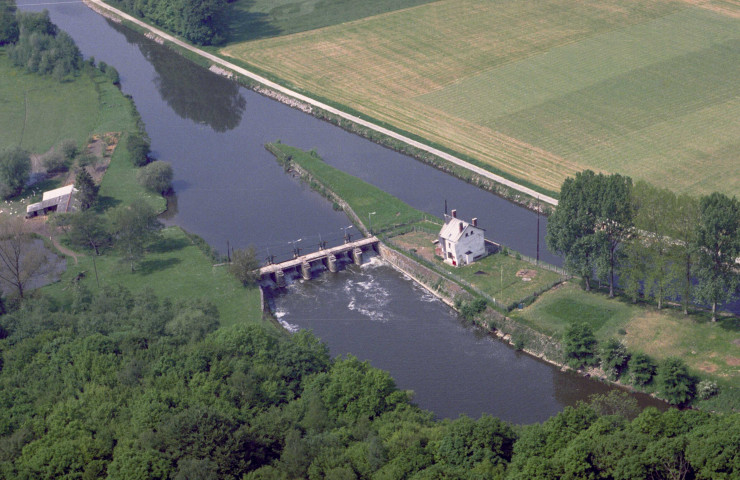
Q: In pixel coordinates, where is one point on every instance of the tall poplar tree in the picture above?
(652, 256)
(615, 218)
(718, 241)
(684, 222)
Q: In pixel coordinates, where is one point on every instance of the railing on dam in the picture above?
(328, 256)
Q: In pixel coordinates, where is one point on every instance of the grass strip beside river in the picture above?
(375, 208)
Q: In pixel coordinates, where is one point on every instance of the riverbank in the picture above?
(463, 168)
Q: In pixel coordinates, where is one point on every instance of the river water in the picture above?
(229, 189)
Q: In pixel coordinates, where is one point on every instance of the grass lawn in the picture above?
(646, 89)
(713, 349)
(120, 186)
(173, 268)
(362, 197)
(39, 112)
(500, 276)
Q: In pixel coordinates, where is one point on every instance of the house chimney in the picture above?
(454, 213)
(461, 226)
(475, 222)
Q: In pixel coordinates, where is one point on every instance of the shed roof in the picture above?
(58, 192)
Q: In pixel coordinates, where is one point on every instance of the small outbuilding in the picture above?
(57, 200)
(461, 243)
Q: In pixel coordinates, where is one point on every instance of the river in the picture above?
(229, 189)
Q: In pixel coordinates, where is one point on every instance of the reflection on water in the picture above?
(192, 92)
(172, 207)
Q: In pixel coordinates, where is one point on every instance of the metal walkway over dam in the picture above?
(326, 256)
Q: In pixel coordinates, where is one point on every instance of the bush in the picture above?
(706, 389)
(113, 75)
(8, 24)
(87, 160)
(157, 177)
(139, 148)
(244, 266)
(54, 162)
(15, 170)
(470, 309)
(68, 148)
(580, 345)
(675, 383)
(642, 369)
(614, 357)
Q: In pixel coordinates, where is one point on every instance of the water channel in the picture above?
(228, 188)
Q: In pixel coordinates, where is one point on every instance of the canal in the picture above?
(229, 189)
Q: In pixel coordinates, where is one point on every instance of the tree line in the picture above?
(202, 22)
(37, 45)
(118, 384)
(661, 245)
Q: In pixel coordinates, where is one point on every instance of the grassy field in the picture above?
(709, 348)
(173, 268)
(120, 186)
(363, 198)
(39, 112)
(647, 89)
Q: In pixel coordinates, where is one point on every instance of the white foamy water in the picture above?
(279, 314)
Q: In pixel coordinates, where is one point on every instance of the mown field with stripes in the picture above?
(540, 89)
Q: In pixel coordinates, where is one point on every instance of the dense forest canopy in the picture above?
(125, 385)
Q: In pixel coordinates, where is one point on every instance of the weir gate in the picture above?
(328, 257)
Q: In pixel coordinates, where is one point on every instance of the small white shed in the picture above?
(460, 242)
(57, 200)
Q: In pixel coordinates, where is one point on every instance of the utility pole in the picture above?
(369, 223)
(501, 284)
(296, 251)
(538, 230)
(322, 244)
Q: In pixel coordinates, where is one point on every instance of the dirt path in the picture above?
(323, 106)
(39, 226)
(66, 251)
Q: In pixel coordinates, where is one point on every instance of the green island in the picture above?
(121, 369)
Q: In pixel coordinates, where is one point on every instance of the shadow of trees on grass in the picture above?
(147, 267)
